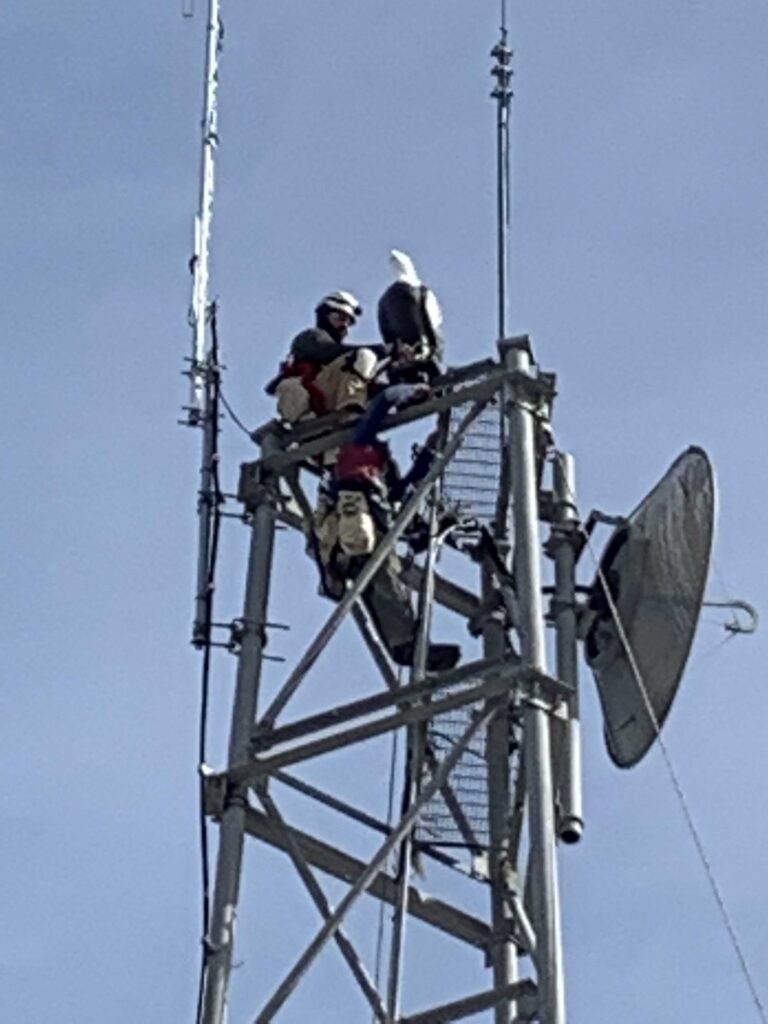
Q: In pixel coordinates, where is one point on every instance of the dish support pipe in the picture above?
(570, 825)
(520, 407)
(220, 940)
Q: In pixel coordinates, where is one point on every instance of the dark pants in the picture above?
(388, 601)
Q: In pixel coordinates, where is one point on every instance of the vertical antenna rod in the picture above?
(502, 93)
(200, 411)
(199, 265)
(503, 954)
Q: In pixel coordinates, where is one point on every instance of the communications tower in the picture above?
(490, 783)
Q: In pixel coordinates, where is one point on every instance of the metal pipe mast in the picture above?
(562, 547)
(232, 818)
(203, 374)
(502, 870)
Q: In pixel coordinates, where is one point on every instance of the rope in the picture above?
(674, 779)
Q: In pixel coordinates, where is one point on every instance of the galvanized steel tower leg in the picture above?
(537, 745)
(232, 824)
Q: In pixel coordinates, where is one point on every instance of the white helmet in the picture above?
(344, 302)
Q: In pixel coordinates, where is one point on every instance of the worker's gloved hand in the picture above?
(417, 535)
(433, 440)
(364, 362)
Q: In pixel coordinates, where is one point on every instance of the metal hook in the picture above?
(737, 625)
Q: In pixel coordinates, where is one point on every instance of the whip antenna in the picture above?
(203, 372)
(502, 93)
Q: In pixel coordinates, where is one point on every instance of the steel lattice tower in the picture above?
(482, 738)
(492, 770)
(491, 775)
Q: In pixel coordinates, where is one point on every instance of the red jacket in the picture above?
(307, 372)
(363, 464)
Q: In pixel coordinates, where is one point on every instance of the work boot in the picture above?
(440, 657)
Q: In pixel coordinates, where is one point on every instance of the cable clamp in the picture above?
(558, 604)
(239, 628)
(214, 792)
(563, 534)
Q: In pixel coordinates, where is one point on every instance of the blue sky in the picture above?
(640, 261)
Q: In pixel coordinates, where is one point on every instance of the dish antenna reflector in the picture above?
(655, 565)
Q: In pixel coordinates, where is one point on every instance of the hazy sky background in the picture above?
(640, 263)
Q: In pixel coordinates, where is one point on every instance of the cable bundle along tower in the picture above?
(492, 772)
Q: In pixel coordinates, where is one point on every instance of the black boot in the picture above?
(440, 657)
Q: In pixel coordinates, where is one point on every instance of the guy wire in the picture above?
(673, 777)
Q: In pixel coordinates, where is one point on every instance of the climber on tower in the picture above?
(322, 374)
(356, 508)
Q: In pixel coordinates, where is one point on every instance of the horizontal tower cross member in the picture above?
(521, 992)
(332, 861)
(403, 697)
(478, 391)
(314, 748)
